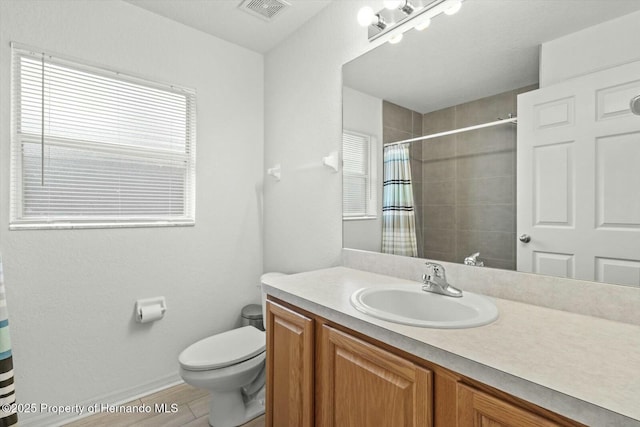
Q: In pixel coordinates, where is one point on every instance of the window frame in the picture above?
(19, 220)
(371, 202)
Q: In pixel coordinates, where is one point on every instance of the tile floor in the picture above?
(193, 411)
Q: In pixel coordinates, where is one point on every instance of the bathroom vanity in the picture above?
(328, 364)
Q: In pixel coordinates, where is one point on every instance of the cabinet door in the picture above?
(359, 384)
(477, 409)
(290, 349)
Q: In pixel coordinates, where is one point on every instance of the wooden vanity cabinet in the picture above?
(359, 384)
(478, 409)
(290, 359)
(320, 374)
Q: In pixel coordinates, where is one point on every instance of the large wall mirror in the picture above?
(552, 188)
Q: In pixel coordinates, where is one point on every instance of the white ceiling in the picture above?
(489, 47)
(223, 19)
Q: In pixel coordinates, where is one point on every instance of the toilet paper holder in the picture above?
(142, 306)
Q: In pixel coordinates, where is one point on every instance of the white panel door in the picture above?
(579, 178)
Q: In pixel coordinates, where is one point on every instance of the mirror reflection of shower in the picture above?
(463, 183)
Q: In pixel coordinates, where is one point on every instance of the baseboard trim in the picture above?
(116, 398)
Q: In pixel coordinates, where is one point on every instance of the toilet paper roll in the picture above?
(150, 313)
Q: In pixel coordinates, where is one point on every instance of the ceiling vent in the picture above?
(264, 9)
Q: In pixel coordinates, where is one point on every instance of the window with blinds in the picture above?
(96, 148)
(358, 176)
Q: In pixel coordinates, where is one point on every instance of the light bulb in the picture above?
(453, 8)
(393, 4)
(366, 16)
(396, 39)
(423, 24)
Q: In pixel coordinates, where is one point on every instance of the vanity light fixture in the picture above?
(423, 24)
(402, 5)
(367, 17)
(397, 38)
(392, 4)
(453, 8)
(397, 14)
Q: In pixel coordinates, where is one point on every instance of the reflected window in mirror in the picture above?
(359, 176)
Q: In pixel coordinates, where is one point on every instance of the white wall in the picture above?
(363, 113)
(595, 48)
(303, 123)
(71, 292)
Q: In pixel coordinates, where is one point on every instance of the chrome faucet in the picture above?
(473, 260)
(435, 280)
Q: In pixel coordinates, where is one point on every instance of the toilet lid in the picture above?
(225, 349)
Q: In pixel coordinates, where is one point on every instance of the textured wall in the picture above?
(71, 292)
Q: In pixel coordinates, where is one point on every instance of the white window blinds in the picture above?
(358, 175)
(95, 148)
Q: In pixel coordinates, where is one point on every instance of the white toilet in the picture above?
(231, 365)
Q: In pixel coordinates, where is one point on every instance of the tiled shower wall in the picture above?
(464, 184)
(469, 183)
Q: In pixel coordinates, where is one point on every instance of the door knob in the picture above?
(635, 105)
(524, 238)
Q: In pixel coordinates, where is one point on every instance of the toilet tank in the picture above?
(264, 277)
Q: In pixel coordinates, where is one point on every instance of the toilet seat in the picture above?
(222, 350)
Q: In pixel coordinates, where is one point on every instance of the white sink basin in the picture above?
(410, 305)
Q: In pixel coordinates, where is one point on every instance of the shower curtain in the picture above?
(398, 216)
(8, 415)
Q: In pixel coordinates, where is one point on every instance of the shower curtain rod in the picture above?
(451, 132)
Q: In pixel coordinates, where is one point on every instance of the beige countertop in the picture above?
(583, 367)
